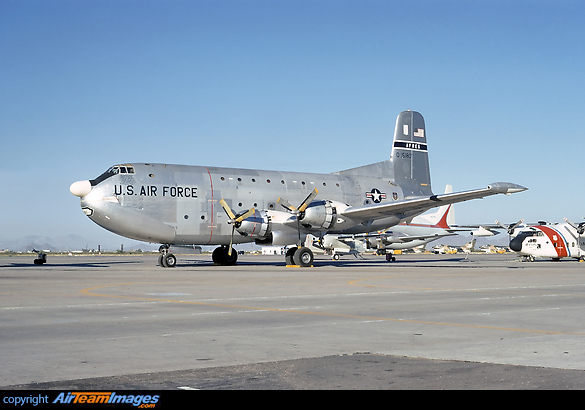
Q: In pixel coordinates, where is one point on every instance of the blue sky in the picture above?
(303, 85)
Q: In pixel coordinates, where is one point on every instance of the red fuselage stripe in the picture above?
(212, 214)
(559, 244)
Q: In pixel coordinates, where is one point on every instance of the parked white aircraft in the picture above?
(493, 249)
(443, 249)
(556, 241)
(199, 205)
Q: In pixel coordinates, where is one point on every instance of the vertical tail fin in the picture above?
(410, 158)
(451, 213)
(443, 217)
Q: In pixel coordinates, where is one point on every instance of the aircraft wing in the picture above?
(477, 230)
(378, 211)
(390, 238)
(405, 239)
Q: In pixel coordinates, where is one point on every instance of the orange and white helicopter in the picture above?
(556, 241)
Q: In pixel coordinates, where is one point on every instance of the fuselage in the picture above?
(179, 204)
(549, 241)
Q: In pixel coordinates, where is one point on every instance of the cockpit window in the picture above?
(116, 169)
(123, 169)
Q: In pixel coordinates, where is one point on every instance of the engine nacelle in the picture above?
(321, 215)
(256, 226)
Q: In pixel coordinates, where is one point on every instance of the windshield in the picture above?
(116, 169)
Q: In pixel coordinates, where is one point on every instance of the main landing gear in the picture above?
(295, 256)
(299, 256)
(41, 257)
(166, 259)
(221, 256)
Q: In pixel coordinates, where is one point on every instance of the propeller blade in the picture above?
(308, 200)
(285, 204)
(510, 228)
(235, 220)
(579, 228)
(517, 224)
(570, 223)
(227, 209)
(233, 217)
(231, 241)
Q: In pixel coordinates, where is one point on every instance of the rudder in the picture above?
(410, 158)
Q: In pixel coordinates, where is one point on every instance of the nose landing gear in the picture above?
(166, 259)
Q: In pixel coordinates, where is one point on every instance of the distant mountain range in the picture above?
(67, 243)
(76, 243)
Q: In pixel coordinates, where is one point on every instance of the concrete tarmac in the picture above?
(423, 322)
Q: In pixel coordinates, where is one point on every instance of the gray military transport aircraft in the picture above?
(185, 205)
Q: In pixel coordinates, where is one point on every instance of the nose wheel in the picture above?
(166, 259)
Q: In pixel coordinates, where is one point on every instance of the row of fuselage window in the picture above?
(268, 181)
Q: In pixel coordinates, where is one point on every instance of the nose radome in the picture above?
(80, 188)
(516, 243)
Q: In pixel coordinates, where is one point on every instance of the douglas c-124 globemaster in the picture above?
(201, 205)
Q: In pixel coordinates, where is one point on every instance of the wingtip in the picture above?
(506, 188)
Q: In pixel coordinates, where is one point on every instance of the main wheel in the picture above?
(169, 261)
(289, 255)
(216, 256)
(231, 260)
(220, 256)
(303, 257)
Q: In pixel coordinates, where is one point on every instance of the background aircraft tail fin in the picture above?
(410, 159)
(443, 217)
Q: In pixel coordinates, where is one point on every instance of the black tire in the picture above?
(303, 257)
(216, 256)
(220, 256)
(170, 261)
(289, 257)
(231, 260)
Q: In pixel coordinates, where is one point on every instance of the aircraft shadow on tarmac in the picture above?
(186, 263)
(324, 262)
(104, 264)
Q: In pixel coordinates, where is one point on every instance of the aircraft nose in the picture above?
(80, 188)
(516, 243)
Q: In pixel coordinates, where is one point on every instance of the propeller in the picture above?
(580, 228)
(510, 228)
(302, 207)
(299, 212)
(235, 220)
